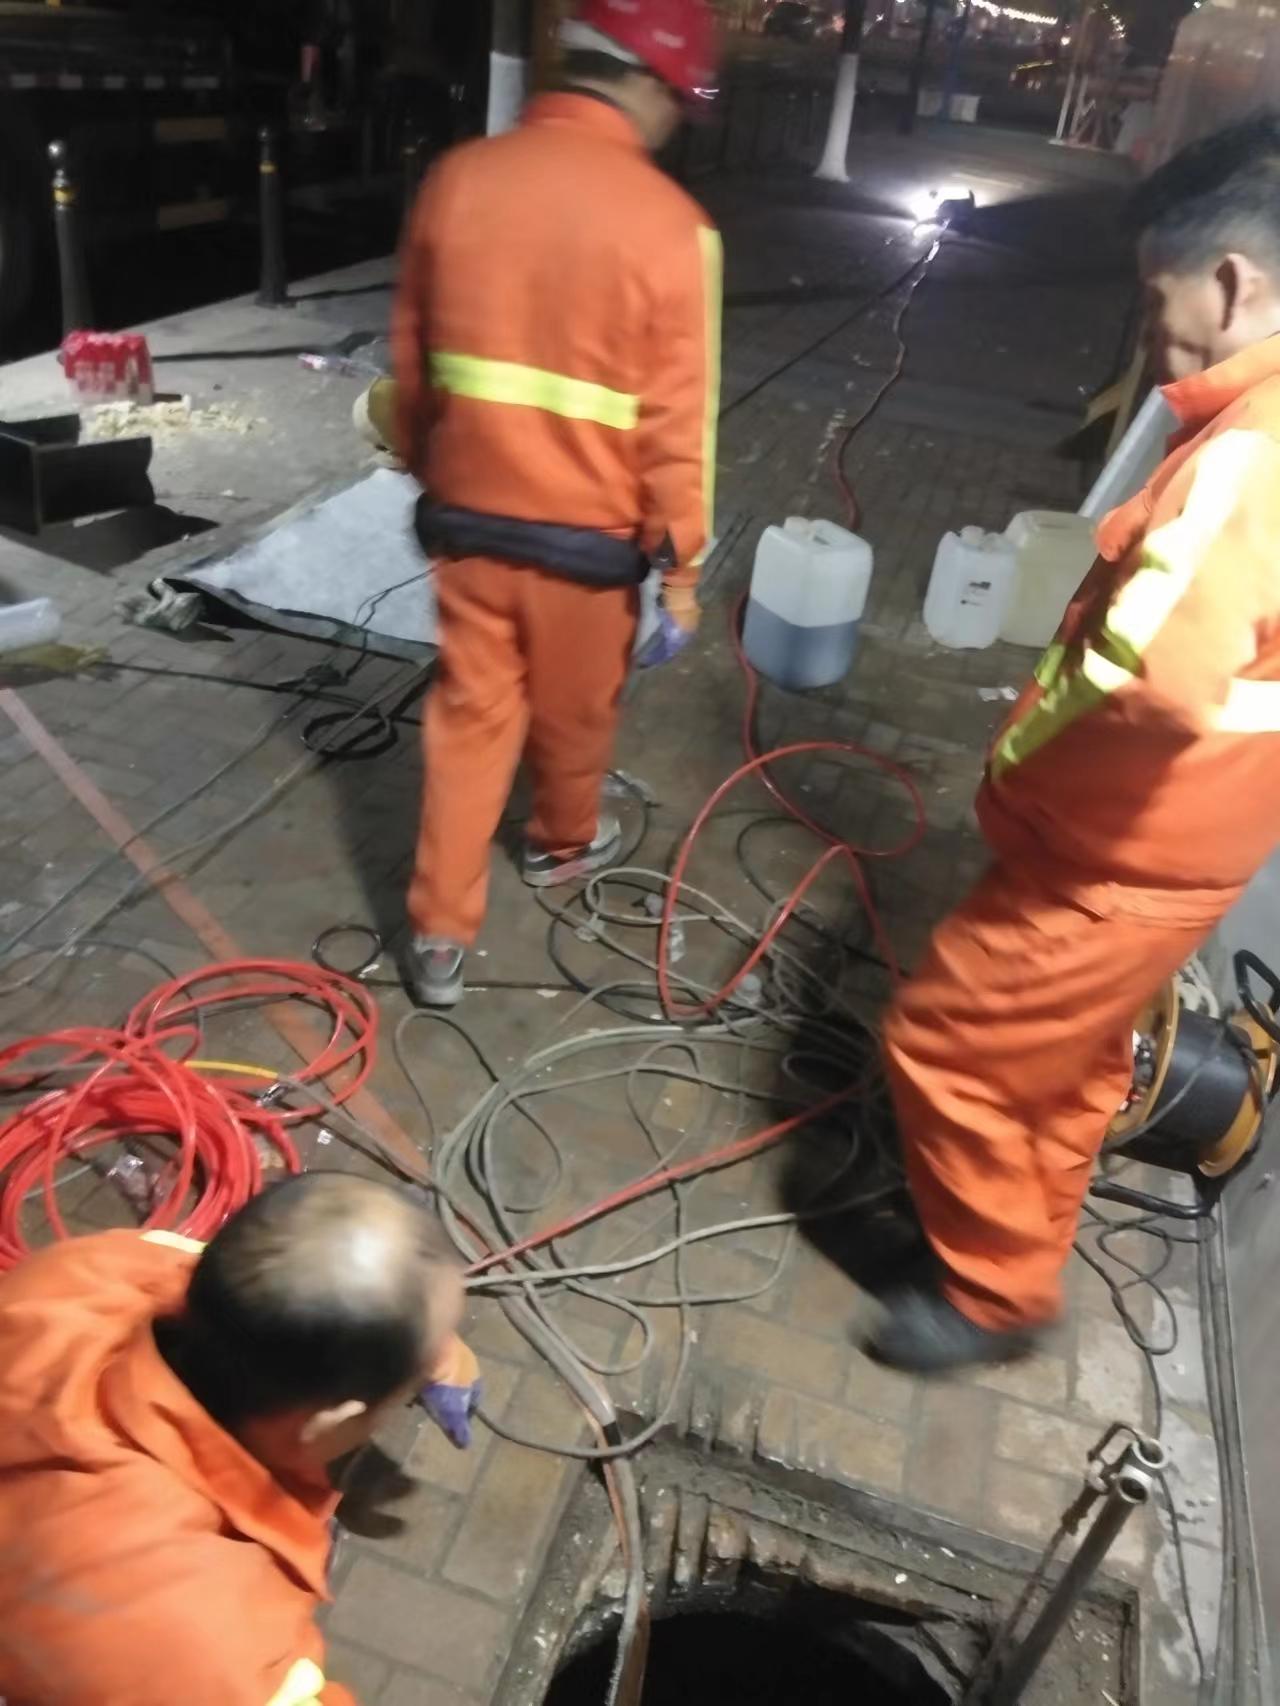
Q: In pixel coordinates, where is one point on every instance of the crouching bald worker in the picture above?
(167, 1416)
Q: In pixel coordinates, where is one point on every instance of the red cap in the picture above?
(675, 39)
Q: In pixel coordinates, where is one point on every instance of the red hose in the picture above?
(137, 1085)
(837, 849)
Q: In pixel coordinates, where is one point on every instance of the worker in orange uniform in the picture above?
(167, 1416)
(1128, 800)
(557, 352)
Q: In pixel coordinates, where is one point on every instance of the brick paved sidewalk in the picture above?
(1003, 344)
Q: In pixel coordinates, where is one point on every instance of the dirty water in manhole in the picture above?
(768, 1589)
(810, 1645)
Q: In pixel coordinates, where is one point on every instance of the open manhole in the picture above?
(767, 1593)
(763, 1648)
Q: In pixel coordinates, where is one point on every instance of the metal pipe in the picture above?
(73, 278)
(1129, 1484)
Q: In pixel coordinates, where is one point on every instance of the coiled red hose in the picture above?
(140, 1083)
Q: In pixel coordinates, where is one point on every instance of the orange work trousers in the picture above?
(529, 663)
(1009, 1052)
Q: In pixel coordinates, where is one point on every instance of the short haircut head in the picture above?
(317, 1293)
(1219, 196)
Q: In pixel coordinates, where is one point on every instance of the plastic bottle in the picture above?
(970, 589)
(35, 623)
(808, 592)
(1055, 552)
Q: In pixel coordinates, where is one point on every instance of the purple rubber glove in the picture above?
(666, 642)
(453, 1396)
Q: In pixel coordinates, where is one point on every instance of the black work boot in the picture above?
(433, 971)
(924, 1334)
(548, 871)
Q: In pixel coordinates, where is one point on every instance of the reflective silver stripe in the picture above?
(302, 1687)
(1251, 708)
(712, 251)
(174, 1241)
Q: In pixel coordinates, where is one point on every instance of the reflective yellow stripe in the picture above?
(1049, 665)
(1251, 708)
(1171, 555)
(534, 388)
(302, 1686)
(713, 287)
(175, 1241)
(1070, 695)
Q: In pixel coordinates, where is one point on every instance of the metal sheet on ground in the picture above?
(347, 563)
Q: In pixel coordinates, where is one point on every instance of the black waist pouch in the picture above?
(578, 553)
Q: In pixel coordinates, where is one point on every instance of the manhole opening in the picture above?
(761, 1647)
(770, 1588)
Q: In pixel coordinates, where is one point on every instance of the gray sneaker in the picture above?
(434, 972)
(924, 1334)
(546, 871)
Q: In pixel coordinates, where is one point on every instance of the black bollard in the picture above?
(77, 310)
(411, 166)
(273, 290)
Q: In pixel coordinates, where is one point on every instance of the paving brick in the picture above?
(786, 1356)
(822, 1297)
(508, 1516)
(879, 1391)
(946, 1467)
(413, 1688)
(1039, 1380)
(411, 1621)
(364, 1673)
(843, 1446)
(1025, 1504)
(1043, 1440)
(414, 1527)
(1110, 1382)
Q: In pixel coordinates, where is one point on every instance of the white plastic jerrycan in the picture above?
(970, 589)
(1055, 553)
(808, 592)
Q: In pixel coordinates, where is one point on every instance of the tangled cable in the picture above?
(202, 1132)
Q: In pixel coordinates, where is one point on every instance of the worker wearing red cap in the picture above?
(1128, 800)
(167, 1417)
(557, 342)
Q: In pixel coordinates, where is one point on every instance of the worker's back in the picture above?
(145, 1557)
(547, 282)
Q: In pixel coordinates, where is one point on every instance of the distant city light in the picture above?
(1013, 14)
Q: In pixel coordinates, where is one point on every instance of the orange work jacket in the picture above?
(146, 1558)
(557, 333)
(1140, 770)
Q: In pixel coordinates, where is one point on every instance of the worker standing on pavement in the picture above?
(1131, 795)
(167, 1417)
(557, 351)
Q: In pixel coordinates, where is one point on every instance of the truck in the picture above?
(158, 103)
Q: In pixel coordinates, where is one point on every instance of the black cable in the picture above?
(866, 304)
(1184, 1585)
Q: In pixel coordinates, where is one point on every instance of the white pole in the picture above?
(833, 165)
(508, 89)
(1077, 51)
(508, 65)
